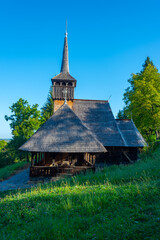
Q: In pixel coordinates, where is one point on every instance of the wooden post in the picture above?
(39, 158)
(90, 158)
(27, 157)
(44, 158)
(32, 160)
(94, 159)
(36, 159)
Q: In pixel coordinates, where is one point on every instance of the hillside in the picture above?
(118, 202)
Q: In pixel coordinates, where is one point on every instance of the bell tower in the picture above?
(63, 84)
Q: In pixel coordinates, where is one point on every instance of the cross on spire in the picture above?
(65, 95)
(66, 34)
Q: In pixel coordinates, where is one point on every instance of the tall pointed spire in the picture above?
(65, 62)
(63, 83)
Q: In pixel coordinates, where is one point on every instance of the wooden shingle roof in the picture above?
(98, 117)
(63, 132)
(130, 133)
(63, 76)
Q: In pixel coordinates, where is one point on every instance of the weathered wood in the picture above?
(58, 92)
(125, 154)
(45, 171)
(32, 160)
(44, 158)
(54, 134)
(36, 159)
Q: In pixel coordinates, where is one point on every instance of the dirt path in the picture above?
(19, 180)
(22, 180)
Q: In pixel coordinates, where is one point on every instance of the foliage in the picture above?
(25, 119)
(119, 202)
(7, 171)
(12, 154)
(122, 114)
(146, 63)
(3, 144)
(47, 109)
(142, 101)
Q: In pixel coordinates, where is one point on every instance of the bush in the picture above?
(11, 154)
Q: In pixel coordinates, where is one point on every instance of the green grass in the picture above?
(119, 202)
(9, 170)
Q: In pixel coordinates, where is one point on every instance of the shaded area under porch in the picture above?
(53, 164)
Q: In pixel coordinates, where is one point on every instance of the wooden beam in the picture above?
(125, 154)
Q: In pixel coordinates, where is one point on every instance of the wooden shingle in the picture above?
(130, 133)
(98, 117)
(63, 132)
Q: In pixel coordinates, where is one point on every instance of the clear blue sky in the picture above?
(108, 40)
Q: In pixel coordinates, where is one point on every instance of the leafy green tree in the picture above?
(142, 101)
(25, 119)
(146, 63)
(122, 114)
(47, 109)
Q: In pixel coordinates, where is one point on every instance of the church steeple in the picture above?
(65, 63)
(64, 81)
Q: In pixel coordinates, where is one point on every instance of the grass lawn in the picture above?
(118, 202)
(7, 171)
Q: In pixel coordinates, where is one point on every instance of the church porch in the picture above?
(53, 164)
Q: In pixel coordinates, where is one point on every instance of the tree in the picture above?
(146, 63)
(47, 109)
(142, 100)
(122, 114)
(25, 119)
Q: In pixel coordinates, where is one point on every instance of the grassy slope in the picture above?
(119, 202)
(9, 170)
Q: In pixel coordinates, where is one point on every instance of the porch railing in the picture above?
(37, 171)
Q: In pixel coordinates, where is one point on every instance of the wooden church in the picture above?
(81, 134)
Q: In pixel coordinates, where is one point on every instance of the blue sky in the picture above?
(108, 40)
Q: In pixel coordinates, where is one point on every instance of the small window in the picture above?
(57, 83)
(69, 84)
(63, 84)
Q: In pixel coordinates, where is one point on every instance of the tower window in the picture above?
(57, 83)
(69, 84)
(63, 84)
